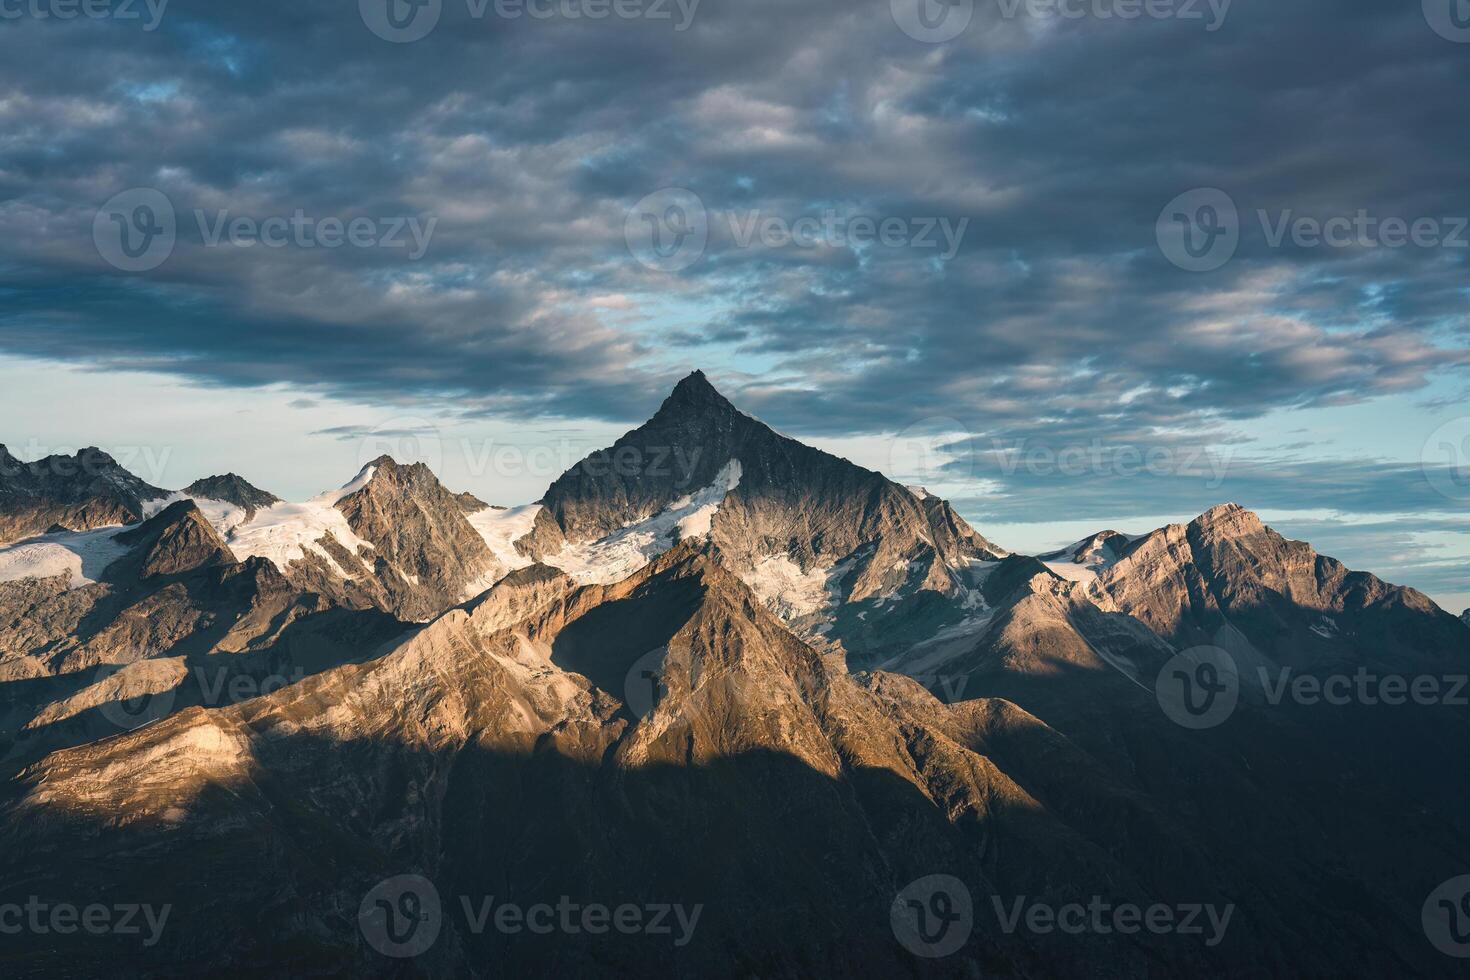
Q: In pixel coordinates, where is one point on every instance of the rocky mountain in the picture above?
(810, 714)
(666, 742)
(232, 489)
(1465, 617)
(172, 619)
(392, 539)
(1228, 580)
(78, 492)
(846, 556)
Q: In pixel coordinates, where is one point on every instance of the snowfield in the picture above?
(83, 555)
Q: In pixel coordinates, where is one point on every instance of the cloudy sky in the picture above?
(1077, 264)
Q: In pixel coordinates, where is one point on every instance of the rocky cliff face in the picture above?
(86, 490)
(426, 554)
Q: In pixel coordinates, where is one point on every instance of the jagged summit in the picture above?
(232, 489)
(83, 490)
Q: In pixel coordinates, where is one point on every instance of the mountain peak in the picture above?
(1228, 516)
(233, 489)
(695, 392)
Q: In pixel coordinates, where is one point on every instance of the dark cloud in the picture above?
(1058, 142)
(1054, 144)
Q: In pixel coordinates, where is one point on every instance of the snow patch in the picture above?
(786, 590)
(83, 555)
(223, 515)
(1071, 572)
(501, 529)
(628, 549)
(284, 533)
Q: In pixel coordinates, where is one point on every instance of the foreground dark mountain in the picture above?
(502, 751)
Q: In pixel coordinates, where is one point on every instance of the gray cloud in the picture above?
(1057, 321)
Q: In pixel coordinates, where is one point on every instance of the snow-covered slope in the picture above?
(628, 549)
(284, 532)
(81, 554)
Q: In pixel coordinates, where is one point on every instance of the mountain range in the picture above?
(712, 667)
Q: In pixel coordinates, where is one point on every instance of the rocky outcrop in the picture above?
(78, 492)
(1228, 580)
(178, 539)
(232, 489)
(427, 556)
